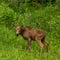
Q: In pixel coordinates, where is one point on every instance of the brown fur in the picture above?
(30, 34)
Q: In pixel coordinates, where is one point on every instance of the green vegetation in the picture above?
(40, 15)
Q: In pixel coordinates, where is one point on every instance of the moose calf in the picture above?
(30, 34)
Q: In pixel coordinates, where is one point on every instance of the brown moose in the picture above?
(30, 34)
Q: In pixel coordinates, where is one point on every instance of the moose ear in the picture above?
(14, 26)
(21, 25)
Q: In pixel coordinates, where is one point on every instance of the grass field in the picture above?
(15, 48)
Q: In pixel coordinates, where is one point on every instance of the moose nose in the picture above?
(17, 34)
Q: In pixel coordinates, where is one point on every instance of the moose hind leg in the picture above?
(40, 44)
(46, 44)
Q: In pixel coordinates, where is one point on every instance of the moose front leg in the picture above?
(29, 44)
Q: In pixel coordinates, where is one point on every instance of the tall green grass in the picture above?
(15, 48)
